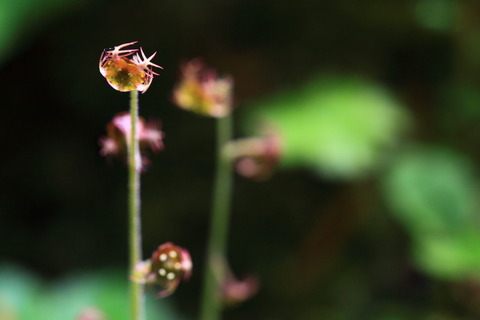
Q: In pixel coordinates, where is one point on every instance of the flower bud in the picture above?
(91, 313)
(125, 74)
(235, 291)
(118, 138)
(255, 158)
(200, 90)
(168, 266)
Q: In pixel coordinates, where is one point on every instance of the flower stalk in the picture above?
(134, 166)
(129, 70)
(214, 275)
(202, 91)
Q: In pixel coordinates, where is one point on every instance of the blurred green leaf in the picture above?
(18, 291)
(436, 14)
(342, 127)
(21, 295)
(433, 191)
(449, 257)
(465, 97)
(20, 17)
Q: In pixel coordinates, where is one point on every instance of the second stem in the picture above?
(217, 241)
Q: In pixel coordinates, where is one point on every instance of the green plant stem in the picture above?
(211, 307)
(135, 233)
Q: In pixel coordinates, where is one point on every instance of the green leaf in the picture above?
(18, 292)
(21, 17)
(21, 297)
(449, 257)
(342, 127)
(437, 15)
(433, 191)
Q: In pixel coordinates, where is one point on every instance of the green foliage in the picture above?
(455, 257)
(18, 290)
(18, 17)
(465, 98)
(433, 193)
(437, 15)
(341, 127)
(23, 297)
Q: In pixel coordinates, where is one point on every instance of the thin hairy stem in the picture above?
(211, 307)
(134, 164)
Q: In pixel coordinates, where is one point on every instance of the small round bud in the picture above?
(125, 72)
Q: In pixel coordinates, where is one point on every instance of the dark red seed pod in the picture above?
(170, 264)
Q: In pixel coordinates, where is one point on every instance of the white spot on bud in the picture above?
(162, 272)
(163, 257)
(173, 254)
(171, 276)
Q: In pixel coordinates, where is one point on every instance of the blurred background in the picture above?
(372, 213)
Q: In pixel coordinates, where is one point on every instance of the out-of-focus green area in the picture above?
(434, 193)
(339, 126)
(105, 293)
(373, 212)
